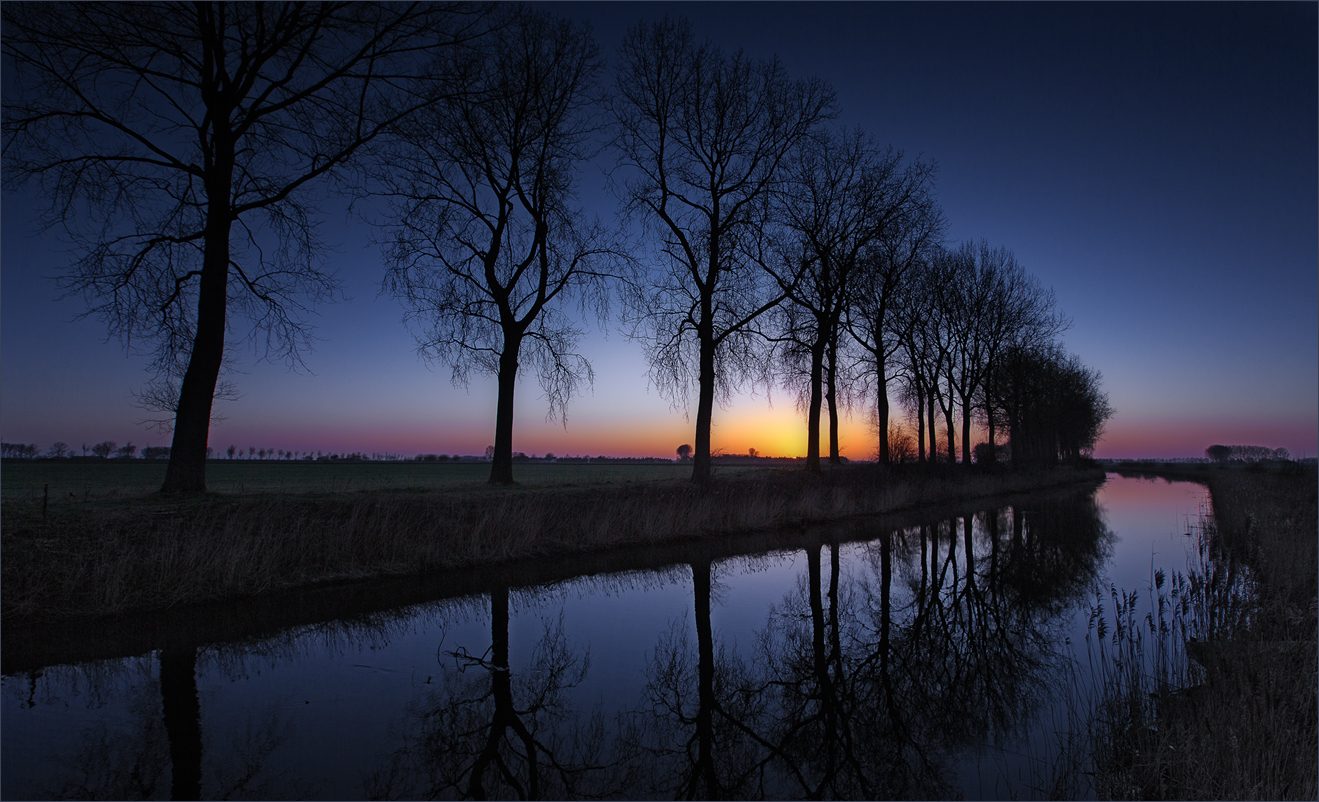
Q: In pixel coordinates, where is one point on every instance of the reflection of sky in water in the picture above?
(324, 708)
(1150, 518)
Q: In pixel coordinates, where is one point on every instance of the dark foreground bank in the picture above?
(146, 554)
(1239, 719)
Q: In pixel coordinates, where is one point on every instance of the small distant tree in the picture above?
(1281, 454)
(1219, 453)
(251, 452)
(751, 452)
(489, 453)
(126, 451)
(58, 449)
(684, 452)
(901, 445)
(1251, 453)
(104, 449)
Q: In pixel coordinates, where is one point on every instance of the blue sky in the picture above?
(1155, 164)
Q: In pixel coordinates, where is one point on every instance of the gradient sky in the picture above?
(1155, 164)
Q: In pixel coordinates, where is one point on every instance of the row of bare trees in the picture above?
(183, 148)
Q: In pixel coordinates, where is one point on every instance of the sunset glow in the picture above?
(1167, 196)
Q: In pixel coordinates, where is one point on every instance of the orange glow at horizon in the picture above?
(781, 432)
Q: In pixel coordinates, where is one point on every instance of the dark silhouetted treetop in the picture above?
(179, 144)
(843, 194)
(701, 137)
(483, 245)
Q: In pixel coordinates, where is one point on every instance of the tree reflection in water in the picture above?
(488, 731)
(893, 653)
(870, 688)
(154, 749)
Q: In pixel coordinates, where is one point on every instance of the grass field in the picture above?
(23, 482)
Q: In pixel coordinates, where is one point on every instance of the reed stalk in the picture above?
(143, 554)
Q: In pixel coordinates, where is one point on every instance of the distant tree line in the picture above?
(1219, 453)
(766, 246)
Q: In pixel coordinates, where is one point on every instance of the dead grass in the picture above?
(1209, 689)
(146, 553)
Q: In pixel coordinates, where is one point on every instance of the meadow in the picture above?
(69, 482)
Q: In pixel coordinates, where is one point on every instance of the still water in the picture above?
(871, 659)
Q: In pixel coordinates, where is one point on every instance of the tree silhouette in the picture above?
(842, 195)
(890, 266)
(703, 136)
(1051, 403)
(491, 729)
(104, 449)
(484, 248)
(178, 145)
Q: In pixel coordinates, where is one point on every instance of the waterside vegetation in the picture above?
(149, 552)
(1209, 685)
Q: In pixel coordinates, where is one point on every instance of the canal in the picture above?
(938, 656)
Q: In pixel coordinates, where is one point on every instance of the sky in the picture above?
(1154, 164)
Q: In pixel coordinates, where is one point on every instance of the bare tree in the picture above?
(1016, 311)
(920, 321)
(703, 136)
(1052, 403)
(843, 196)
(484, 248)
(890, 264)
(104, 449)
(178, 145)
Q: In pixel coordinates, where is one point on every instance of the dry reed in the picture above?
(147, 555)
(1208, 690)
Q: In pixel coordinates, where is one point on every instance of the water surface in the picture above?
(869, 659)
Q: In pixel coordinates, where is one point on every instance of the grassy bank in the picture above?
(1209, 687)
(128, 554)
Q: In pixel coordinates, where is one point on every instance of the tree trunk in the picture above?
(920, 421)
(181, 710)
(966, 432)
(501, 687)
(501, 466)
(952, 431)
(186, 472)
(813, 411)
(934, 433)
(831, 395)
(881, 391)
(704, 770)
(701, 473)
